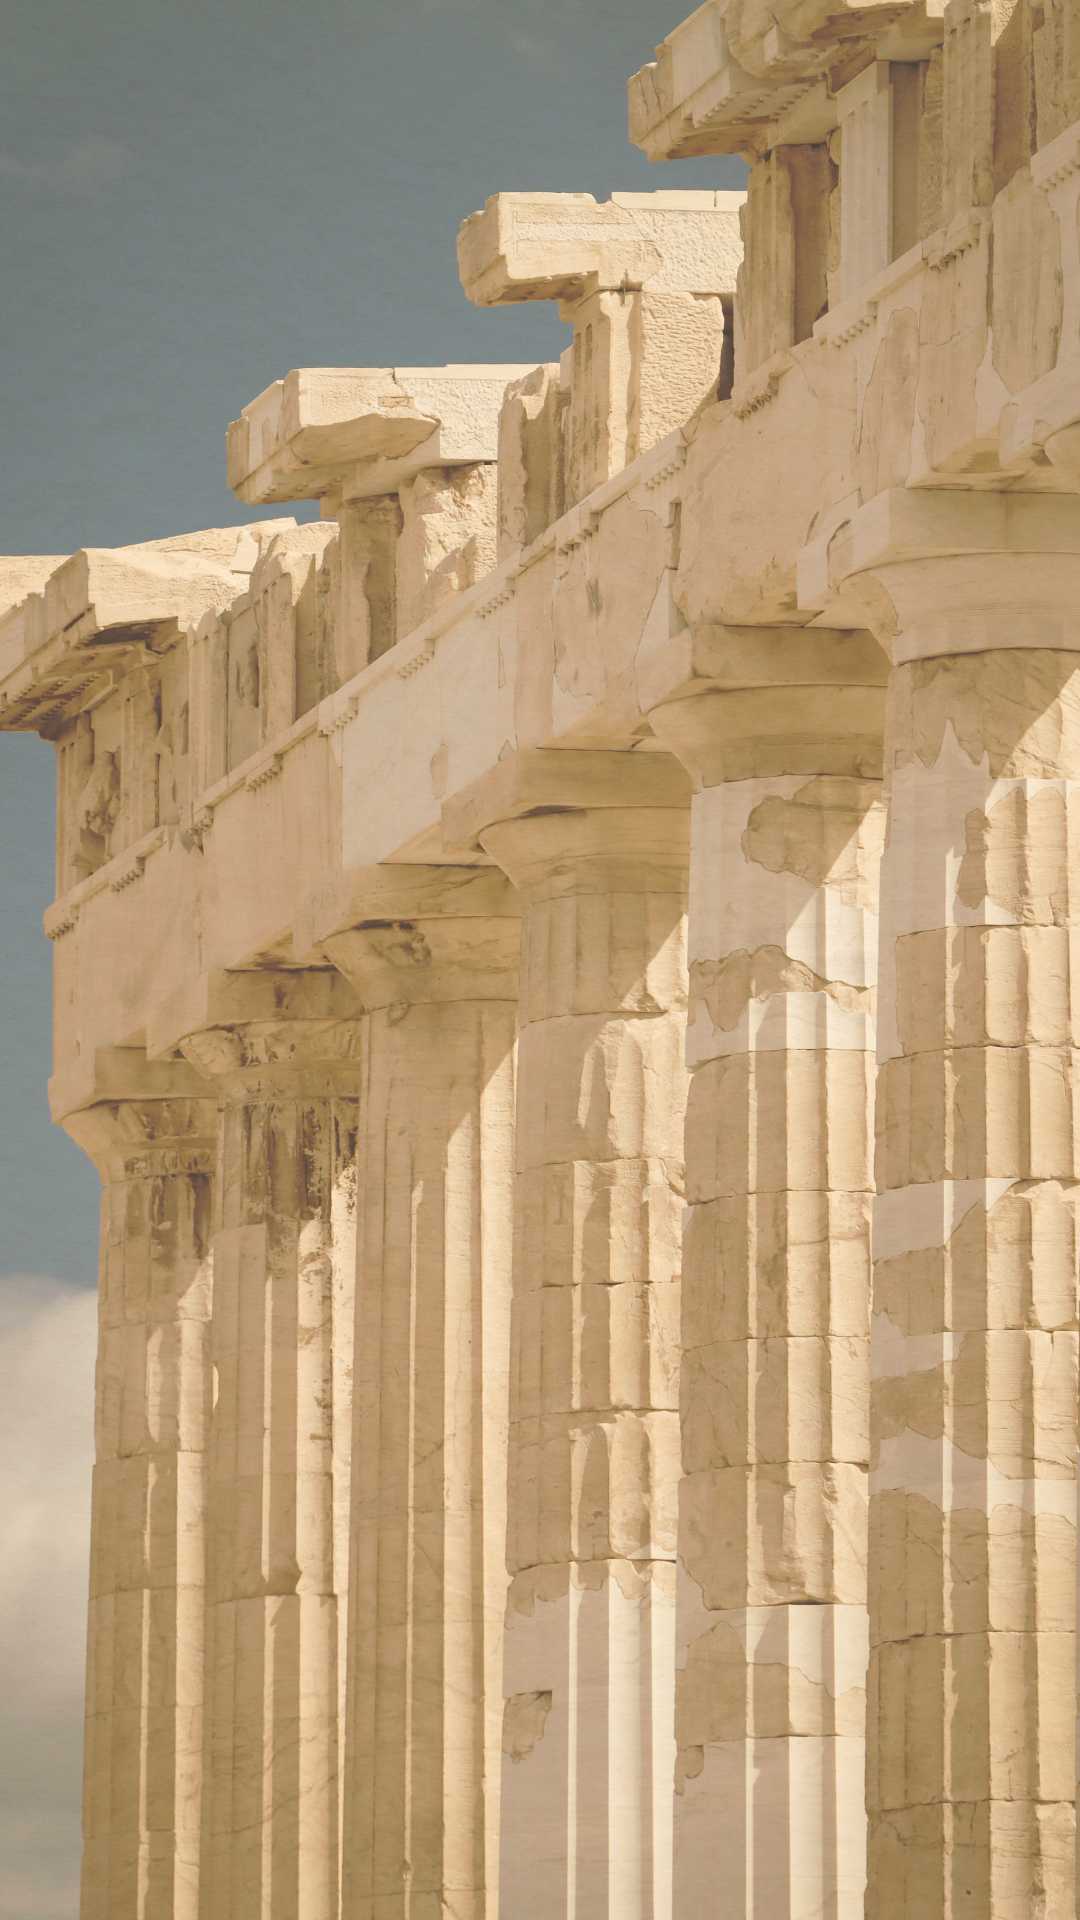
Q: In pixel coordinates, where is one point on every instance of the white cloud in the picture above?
(47, 1339)
(81, 168)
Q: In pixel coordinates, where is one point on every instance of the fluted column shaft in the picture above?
(144, 1691)
(428, 1579)
(283, 1263)
(786, 834)
(586, 1821)
(972, 1771)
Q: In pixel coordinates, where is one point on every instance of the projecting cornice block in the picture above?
(565, 246)
(380, 426)
(646, 280)
(725, 79)
(93, 608)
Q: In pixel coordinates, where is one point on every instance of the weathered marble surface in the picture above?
(542, 1441)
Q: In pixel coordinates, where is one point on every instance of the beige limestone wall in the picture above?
(143, 1761)
(772, 1632)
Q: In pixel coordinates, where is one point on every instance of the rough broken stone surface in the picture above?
(564, 968)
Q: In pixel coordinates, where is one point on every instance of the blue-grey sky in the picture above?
(194, 199)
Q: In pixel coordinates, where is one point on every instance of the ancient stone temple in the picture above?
(564, 966)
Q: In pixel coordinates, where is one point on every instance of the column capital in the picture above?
(265, 1030)
(552, 818)
(134, 1115)
(111, 1076)
(411, 935)
(738, 703)
(942, 571)
(547, 780)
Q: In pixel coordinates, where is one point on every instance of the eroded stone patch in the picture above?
(524, 1719)
(1019, 709)
(726, 987)
(823, 835)
(1017, 856)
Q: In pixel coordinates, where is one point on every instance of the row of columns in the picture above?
(570, 1567)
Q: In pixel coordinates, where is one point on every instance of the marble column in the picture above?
(433, 958)
(971, 1768)
(588, 1726)
(785, 750)
(154, 1149)
(283, 1050)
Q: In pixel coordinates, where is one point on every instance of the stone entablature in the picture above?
(518, 900)
(647, 281)
(913, 183)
